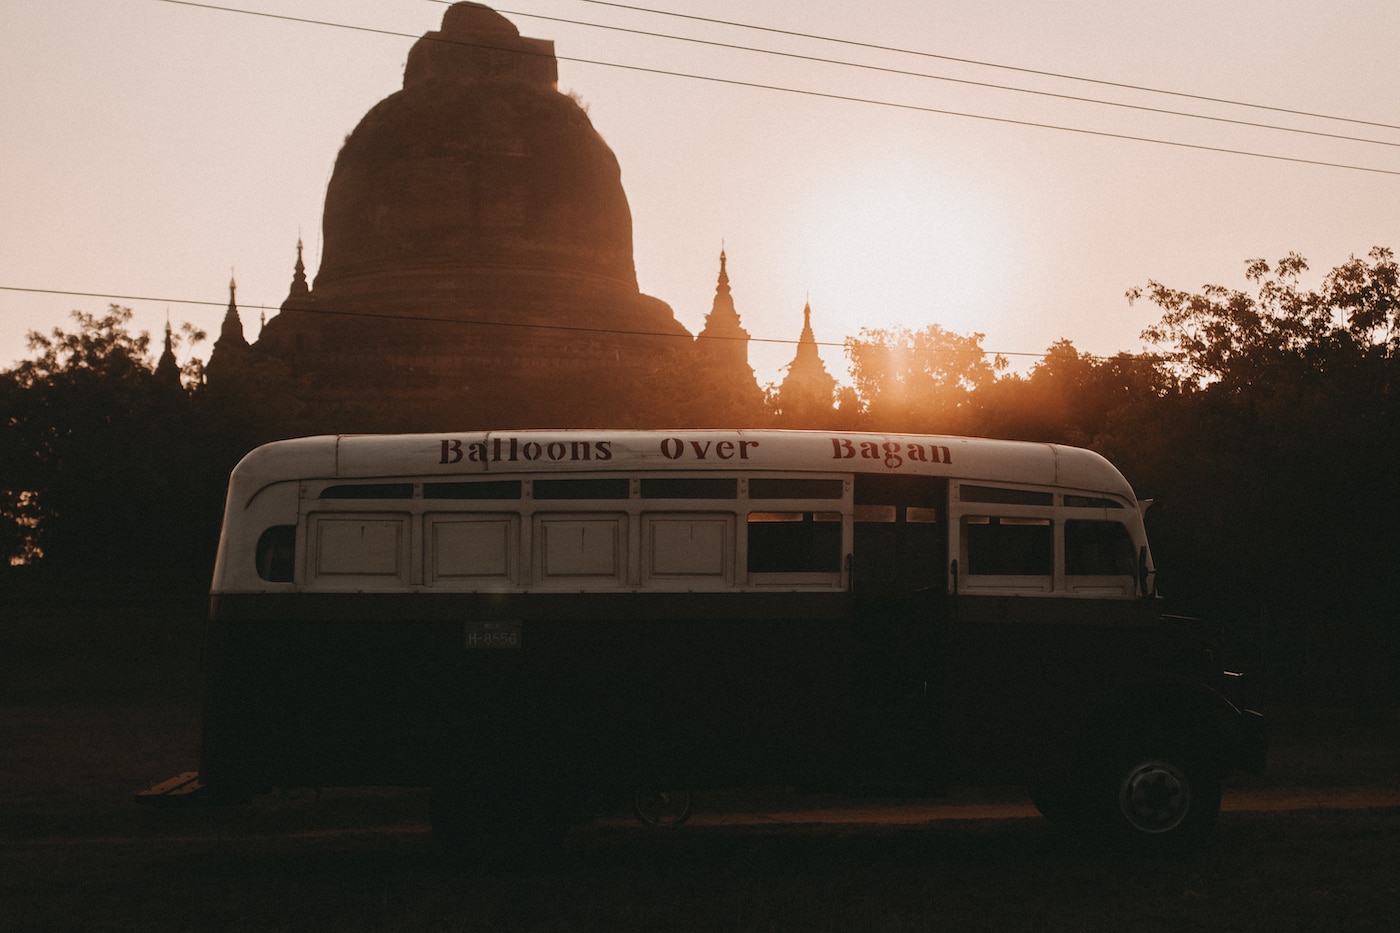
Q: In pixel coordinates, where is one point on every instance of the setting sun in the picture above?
(902, 245)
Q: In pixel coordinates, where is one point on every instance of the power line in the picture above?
(828, 96)
(933, 77)
(970, 61)
(470, 322)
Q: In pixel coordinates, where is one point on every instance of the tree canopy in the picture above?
(97, 468)
(919, 381)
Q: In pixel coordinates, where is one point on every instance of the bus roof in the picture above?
(364, 456)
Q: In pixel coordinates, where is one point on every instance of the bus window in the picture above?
(996, 495)
(876, 514)
(763, 488)
(795, 542)
(490, 489)
(1098, 549)
(276, 554)
(1091, 502)
(582, 488)
(707, 487)
(1008, 547)
(368, 491)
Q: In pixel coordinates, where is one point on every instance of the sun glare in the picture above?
(898, 247)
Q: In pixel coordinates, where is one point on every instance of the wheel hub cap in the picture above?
(1155, 797)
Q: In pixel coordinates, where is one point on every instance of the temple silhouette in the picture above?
(477, 270)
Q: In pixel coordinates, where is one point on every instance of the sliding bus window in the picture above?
(276, 554)
(1098, 549)
(794, 542)
(1002, 546)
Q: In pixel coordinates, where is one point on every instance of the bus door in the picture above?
(899, 551)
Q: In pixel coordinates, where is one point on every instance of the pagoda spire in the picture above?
(299, 287)
(722, 352)
(231, 333)
(299, 295)
(723, 320)
(167, 369)
(808, 361)
(806, 394)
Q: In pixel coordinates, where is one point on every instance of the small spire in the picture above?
(231, 333)
(299, 288)
(808, 357)
(723, 319)
(167, 369)
(807, 390)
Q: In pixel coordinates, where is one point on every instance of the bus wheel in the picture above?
(498, 827)
(1157, 801)
(661, 807)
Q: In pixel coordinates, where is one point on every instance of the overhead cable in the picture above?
(950, 80)
(1199, 147)
(970, 61)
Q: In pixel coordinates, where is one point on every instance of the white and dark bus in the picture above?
(530, 621)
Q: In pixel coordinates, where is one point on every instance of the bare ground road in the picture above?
(1277, 799)
(1281, 860)
(1313, 845)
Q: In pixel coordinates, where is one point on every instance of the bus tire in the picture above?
(1158, 800)
(497, 828)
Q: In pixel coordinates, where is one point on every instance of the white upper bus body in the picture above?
(661, 511)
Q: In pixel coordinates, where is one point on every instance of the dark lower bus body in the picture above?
(583, 695)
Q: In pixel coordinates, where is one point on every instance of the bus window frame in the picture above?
(1058, 583)
(527, 570)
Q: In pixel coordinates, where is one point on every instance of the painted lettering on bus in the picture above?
(511, 450)
(892, 453)
(676, 448)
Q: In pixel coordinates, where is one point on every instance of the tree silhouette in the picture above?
(919, 381)
(100, 472)
(1275, 460)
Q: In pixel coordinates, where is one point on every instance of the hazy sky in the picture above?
(150, 148)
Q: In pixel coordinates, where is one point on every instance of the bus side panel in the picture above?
(367, 689)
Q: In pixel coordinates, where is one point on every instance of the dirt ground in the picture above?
(1312, 847)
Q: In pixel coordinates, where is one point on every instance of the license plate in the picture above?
(488, 635)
